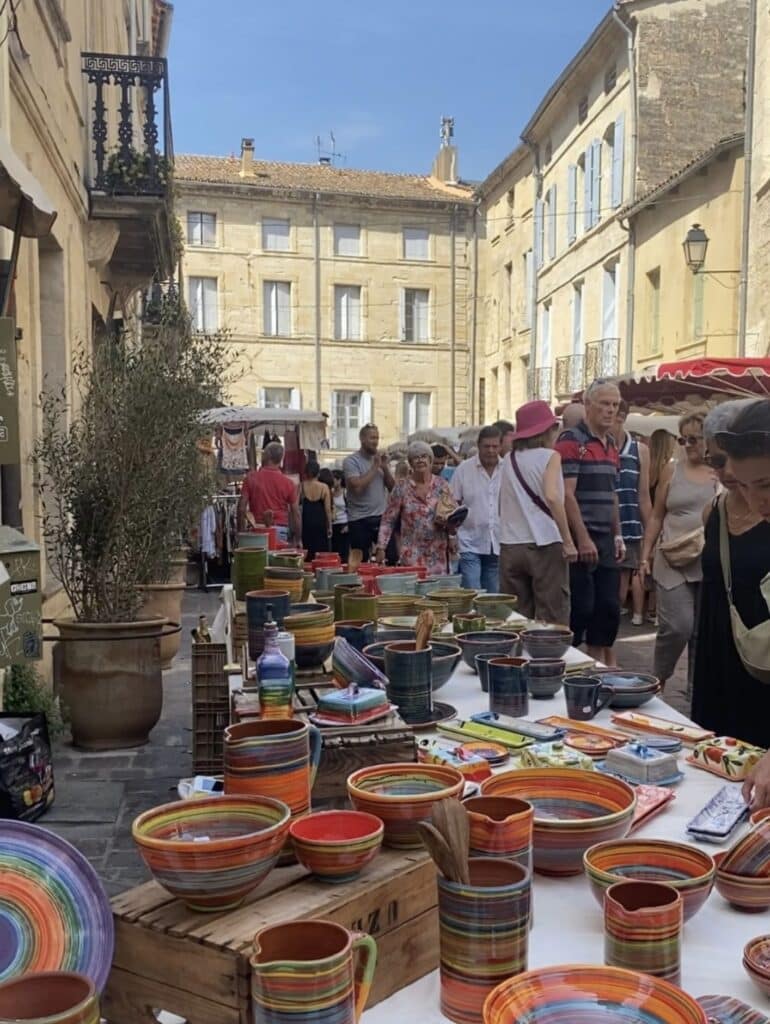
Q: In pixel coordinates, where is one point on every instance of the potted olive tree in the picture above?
(119, 485)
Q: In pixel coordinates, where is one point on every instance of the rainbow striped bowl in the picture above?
(574, 810)
(744, 892)
(751, 854)
(686, 868)
(211, 853)
(336, 845)
(401, 795)
(601, 995)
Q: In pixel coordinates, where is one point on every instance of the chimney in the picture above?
(247, 158)
(445, 164)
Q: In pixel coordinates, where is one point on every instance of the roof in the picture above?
(650, 197)
(506, 165)
(325, 178)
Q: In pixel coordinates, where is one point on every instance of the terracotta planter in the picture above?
(164, 601)
(50, 997)
(111, 681)
(178, 571)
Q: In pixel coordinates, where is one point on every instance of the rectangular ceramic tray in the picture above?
(568, 725)
(650, 800)
(638, 722)
(465, 729)
(537, 730)
(720, 816)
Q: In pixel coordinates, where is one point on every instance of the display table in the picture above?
(568, 921)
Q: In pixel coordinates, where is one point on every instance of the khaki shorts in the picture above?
(633, 551)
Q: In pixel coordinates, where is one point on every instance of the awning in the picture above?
(19, 189)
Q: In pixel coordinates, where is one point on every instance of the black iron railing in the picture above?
(602, 359)
(540, 383)
(570, 375)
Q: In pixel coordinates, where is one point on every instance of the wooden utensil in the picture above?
(355, 558)
(423, 629)
(439, 850)
(455, 830)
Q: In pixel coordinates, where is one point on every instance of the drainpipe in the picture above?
(751, 73)
(631, 250)
(475, 307)
(452, 314)
(317, 257)
(533, 291)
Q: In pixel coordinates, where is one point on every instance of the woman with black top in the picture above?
(316, 511)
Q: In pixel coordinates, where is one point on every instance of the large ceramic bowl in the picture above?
(750, 855)
(389, 605)
(689, 870)
(632, 689)
(336, 845)
(486, 641)
(313, 628)
(547, 641)
(756, 962)
(401, 795)
(211, 853)
(590, 995)
(495, 606)
(743, 892)
(574, 810)
(445, 658)
(458, 600)
(399, 583)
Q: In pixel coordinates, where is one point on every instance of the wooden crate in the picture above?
(197, 965)
(210, 719)
(209, 682)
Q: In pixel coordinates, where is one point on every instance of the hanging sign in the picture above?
(9, 395)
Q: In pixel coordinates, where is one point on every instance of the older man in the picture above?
(368, 480)
(506, 430)
(476, 484)
(590, 466)
(269, 491)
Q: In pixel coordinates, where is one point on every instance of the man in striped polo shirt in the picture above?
(590, 467)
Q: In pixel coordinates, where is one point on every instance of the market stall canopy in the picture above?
(312, 425)
(645, 424)
(24, 206)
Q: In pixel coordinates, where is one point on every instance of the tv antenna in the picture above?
(328, 155)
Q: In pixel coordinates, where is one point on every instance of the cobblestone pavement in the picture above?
(99, 794)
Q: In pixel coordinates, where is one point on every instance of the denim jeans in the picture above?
(480, 572)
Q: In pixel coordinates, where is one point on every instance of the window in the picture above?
(508, 299)
(610, 301)
(275, 235)
(698, 295)
(545, 336)
(347, 312)
(350, 410)
(610, 79)
(201, 228)
(583, 110)
(276, 297)
(592, 185)
(506, 395)
(551, 221)
(578, 345)
(614, 138)
(494, 395)
(414, 325)
(347, 240)
(539, 233)
(528, 280)
(416, 411)
(276, 398)
(510, 200)
(416, 244)
(653, 310)
(202, 298)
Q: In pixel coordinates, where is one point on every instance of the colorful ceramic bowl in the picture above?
(486, 642)
(401, 795)
(686, 868)
(336, 845)
(400, 583)
(743, 892)
(313, 628)
(495, 606)
(212, 853)
(592, 995)
(545, 677)
(457, 599)
(574, 810)
(750, 855)
(389, 605)
(632, 689)
(756, 962)
(49, 997)
(351, 666)
(547, 642)
(446, 655)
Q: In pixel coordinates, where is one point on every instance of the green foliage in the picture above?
(135, 175)
(24, 692)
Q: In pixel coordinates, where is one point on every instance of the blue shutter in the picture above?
(596, 184)
(618, 160)
(571, 203)
(588, 192)
(552, 224)
(538, 233)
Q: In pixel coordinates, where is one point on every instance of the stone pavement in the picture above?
(99, 795)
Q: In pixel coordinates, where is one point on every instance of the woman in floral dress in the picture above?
(411, 509)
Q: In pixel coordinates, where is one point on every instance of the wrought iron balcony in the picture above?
(602, 359)
(539, 383)
(570, 375)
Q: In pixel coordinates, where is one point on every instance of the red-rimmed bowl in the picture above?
(574, 810)
(401, 795)
(744, 892)
(686, 868)
(211, 853)
(756, 962)
(336, 845)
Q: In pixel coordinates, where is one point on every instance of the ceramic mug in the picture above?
(307, 970)
(586, 696)
(501, 826)
(50, 997)
(643, 928)
(483, 934)
(508, 694)
(469, 623)
(410, 680)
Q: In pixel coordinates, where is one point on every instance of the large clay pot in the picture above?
(164, 601)
(49, 997)
(111, 681)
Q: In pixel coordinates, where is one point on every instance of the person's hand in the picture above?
(620, 549)
(345, 529)
(379, 555)
(569, 551)
(587, 552)
(643, 570)
(756, 788)
(383, 460)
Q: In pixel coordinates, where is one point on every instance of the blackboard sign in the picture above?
(9, 395)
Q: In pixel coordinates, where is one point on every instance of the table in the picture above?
(568, 921)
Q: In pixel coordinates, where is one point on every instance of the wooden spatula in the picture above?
(439, 850)
(355, 558)
(456, 832)
(423, 629)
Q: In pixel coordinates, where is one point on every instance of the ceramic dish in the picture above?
(439, 714)
(486, 642)
(589, 728)
(336, 845)
(672, 780)
(721, 815)
(552, 642)
(54, 912)
(689, 870)
(727, 1010)
(446, 655)
(638, 722)
(750, 855)
(632, 689)
(742, 891)
(493, 753)
(351, 666)
(594, 746)
(650, 801)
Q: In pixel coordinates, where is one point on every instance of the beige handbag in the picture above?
(683, 550)
(752, 645)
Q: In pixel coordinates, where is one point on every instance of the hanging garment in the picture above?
(209, 532)
(234, 456)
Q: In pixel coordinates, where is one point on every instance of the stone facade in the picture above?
(758, 319)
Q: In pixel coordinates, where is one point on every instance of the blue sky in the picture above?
(378, 75)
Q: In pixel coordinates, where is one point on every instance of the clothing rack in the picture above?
(216, 560)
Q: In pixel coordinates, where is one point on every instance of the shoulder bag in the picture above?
(683, 550)
(534, 498)
(752, 645)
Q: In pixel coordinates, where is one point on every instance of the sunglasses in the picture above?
(715, 461)
(691, 441)
(744, 444)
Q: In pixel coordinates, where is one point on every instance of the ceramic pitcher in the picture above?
(643, 928)
(357, 632)
(311, 971)
(501, 826)
(50, 997)
(508, 694)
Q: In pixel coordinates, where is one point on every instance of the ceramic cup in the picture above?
(410, 680)
(483, 934)
(257, 602)
(340, 590)
(508, 686)
(469, 623)
(311, 970)
(248, 570)
(358, 632)
(50, 997)
(586, 696)
(643, 928)
(501, 826)
(482, 669)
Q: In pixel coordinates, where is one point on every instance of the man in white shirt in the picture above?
(476, 484)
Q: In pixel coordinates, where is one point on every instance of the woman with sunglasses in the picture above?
(684, 490)
(726, 698)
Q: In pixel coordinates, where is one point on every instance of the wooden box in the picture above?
(197, 965)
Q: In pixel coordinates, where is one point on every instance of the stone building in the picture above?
(344, 291)
(758, 314)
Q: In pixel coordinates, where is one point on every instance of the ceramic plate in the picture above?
(724, 811)
(726, 1010)
(493, 753)
(54, 912)
(636, 721)
(592, 745)
(441, 713)
(572, 725)
(650, 800)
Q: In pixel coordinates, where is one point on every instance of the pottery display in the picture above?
(50, 997)
(750, 855)
(311, 970)
(212, 852)
(351, 666)
(257, 602)
(471, 623)
(446, 655)
(756, 962)
(643, 928)
(685, 868)
(459, 600)
(410, 680)
(574, 810)
(483, 934)
(495, 606)
(340, 591)
(248, 571)
(486, 642)
(54, 912)
(358, 632)
(312, 626)
(547, 642)
(545, 677)
(279, 578)
(586, 696)
(501, 826)
(359, 606)
(398, 583)
(507, 678)
(631, 689)
(401, 795)
(744, 892)
(594, 995)
(336, 845)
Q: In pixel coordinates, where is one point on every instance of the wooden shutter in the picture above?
(618, 161)
(552, 224)
(588, 191)
(596, 183)
(571, 203)
(295, 399)
(538, 233)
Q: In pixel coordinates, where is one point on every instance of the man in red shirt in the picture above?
(269, 490)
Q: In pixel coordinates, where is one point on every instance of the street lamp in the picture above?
(695, 248)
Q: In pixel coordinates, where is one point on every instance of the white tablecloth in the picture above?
(568, 921)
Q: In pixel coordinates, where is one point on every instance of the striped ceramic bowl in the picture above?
(689, 870)
(574, 810)
(211, 853)
(751, 854)
(744, 892)
(336, 845)
(401, 795)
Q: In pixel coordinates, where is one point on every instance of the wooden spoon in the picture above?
(439, 850)
(423, 629)
(451, 820)
(355, 558)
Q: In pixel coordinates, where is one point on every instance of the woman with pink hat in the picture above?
(535, 541)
